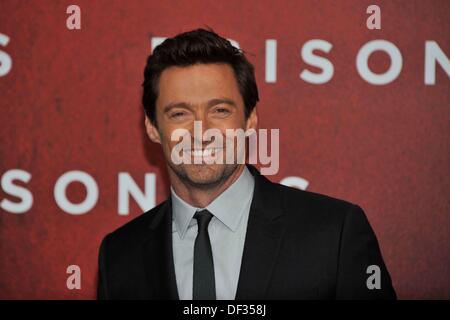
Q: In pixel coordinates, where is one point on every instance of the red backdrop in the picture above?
(71, 101)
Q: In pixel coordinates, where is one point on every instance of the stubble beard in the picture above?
(203, 176)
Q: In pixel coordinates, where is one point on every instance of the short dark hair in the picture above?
(193, 47)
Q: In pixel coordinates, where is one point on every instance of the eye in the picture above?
(222, 111)
(176, 114)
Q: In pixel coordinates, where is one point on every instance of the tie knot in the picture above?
(203, 218)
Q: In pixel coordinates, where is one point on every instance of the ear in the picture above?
(252, 120)
(152, 131)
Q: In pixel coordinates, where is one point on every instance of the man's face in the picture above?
(203, 92)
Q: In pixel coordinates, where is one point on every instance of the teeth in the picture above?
(202, 153)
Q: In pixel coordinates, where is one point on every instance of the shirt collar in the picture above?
(228, 207)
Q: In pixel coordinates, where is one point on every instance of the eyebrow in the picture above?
(209, 104)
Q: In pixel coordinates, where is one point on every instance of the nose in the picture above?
(200, 122)
(201, 116)
(200, 125)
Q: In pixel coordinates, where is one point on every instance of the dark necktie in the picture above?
(204, 287)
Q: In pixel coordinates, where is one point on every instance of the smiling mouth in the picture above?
(208, 152)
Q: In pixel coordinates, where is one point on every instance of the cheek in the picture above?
(166, 138)
(167, 141)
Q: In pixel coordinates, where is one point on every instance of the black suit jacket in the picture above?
(299, 245)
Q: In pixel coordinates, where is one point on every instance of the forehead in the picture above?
(197, 83)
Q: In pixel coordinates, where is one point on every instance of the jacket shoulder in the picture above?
(313, 206)
(136, 228)
(313, 198)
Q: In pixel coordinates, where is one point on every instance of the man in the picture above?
(226, 231)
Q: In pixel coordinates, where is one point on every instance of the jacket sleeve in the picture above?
(102, 288)
(362, 273)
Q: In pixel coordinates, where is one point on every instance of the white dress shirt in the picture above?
(227, 231)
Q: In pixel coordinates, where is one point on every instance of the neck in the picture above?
(202, 197)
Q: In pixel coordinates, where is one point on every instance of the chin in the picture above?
(204, 174)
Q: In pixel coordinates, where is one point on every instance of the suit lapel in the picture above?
(158, 256)
(265, 230)
(264, 234)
